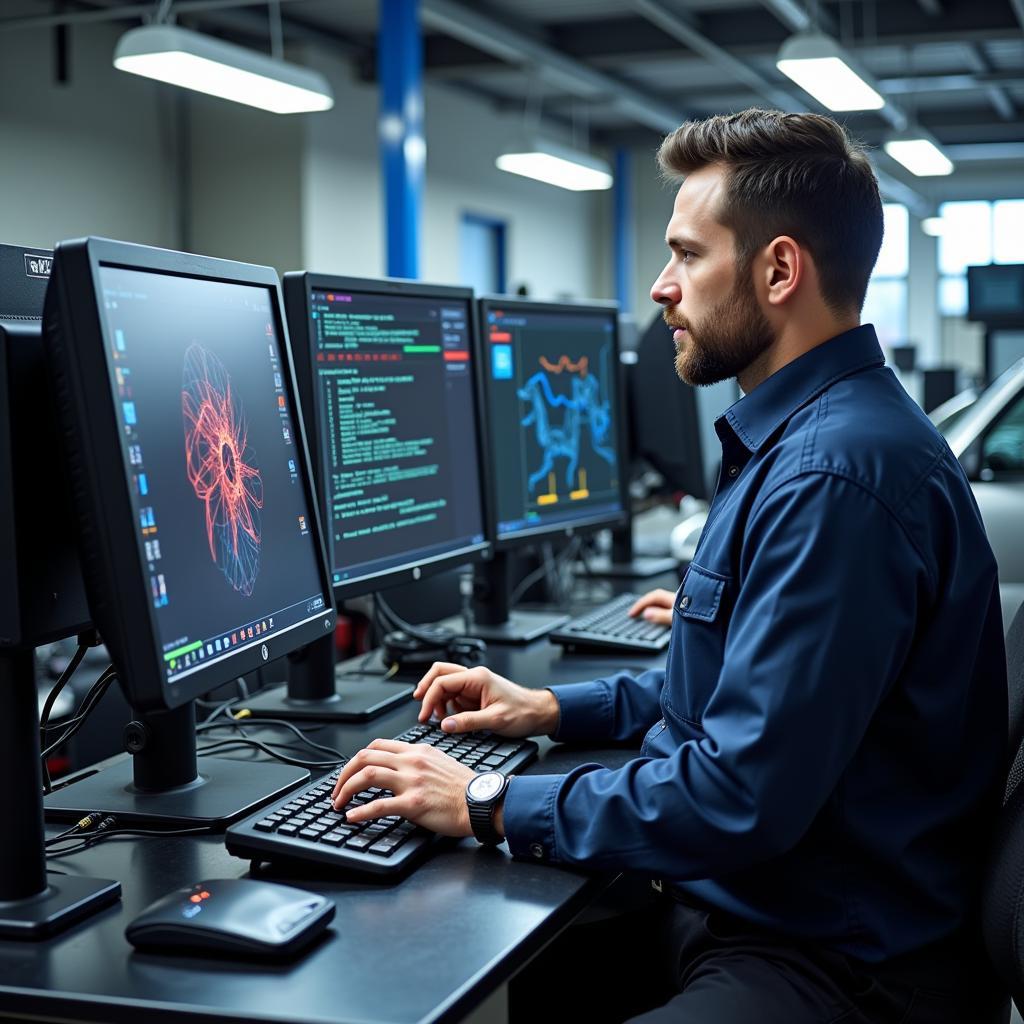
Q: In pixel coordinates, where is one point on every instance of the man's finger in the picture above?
(366, 778)
(383, 807)
(468, 721)
(435, 700)
(438, 668)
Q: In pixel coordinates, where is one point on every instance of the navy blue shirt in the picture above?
(822, 754)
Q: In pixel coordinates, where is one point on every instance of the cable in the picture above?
(92, 698)
(119, 833)
(544, 569)
(268, 750)
(280, 723)
(51, 698)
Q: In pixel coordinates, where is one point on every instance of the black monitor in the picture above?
(556, 461)
(197, 521)
(995, 294)
(41, 599)
(664, 422)
(386, 371)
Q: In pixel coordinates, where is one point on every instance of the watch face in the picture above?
(484, 786)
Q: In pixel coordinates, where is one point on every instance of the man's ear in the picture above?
(784, 267)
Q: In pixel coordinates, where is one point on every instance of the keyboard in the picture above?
(304, 826)
(610, 627)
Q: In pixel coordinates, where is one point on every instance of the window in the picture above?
(1003, 447)
(885, 305)
(975, 233)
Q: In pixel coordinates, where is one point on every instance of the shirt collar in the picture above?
(755, 417)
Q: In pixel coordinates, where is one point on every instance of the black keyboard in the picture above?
(609, 626)
(305, 826)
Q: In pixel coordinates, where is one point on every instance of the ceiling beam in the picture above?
(680, 29)
(512, 44)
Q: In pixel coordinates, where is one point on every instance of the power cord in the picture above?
(86, 639)
(106, 829)
(73, 725)
(549, 566)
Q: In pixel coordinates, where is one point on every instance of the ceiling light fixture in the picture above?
(557, 165)
(920, 155)
(191, 60)
(933, 226)
(820, 66)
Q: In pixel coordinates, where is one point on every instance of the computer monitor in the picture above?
(41, 599)
(386, 370)
(664, 424)
(197, 520)
(556, 460)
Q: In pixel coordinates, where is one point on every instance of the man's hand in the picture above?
(655, 606)
(429, 786)
(483, 700)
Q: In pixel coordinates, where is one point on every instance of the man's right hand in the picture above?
(484, 700)
(655, 606)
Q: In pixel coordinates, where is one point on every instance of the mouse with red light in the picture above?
(232, 916)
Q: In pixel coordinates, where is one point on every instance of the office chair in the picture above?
(1002, 902)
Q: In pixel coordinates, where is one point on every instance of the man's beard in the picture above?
(725, 341)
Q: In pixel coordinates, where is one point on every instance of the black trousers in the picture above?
(668, 963)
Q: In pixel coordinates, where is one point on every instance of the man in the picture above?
(822, 755)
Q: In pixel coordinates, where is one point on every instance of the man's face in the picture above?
(709, 301)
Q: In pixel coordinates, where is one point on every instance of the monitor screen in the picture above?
(553, 406)
(212, 461)
(396, 419)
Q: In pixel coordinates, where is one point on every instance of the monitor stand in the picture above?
(622, 564)
(493, 620)
(33, 904)
(166, 783)
(319, 690)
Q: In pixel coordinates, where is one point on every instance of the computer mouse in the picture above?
(232, 916)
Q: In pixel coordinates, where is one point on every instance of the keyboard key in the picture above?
(359, 842)
(384, 847)
(287, 829)
(265, 825)
(309, 833)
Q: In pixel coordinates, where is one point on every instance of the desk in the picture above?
(452, 931)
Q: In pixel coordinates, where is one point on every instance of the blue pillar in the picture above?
(622, 229)
(402, 147)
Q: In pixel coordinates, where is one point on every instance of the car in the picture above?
(986, 433)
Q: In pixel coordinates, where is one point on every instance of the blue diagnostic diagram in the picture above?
(559, 421)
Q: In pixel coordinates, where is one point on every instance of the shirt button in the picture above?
(734, 471)
(685, 603)
(536, 850)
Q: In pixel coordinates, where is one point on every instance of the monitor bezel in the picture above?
(115, 572)
(298, 286)
(585, 524)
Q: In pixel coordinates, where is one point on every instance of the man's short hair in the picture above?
(790, 174)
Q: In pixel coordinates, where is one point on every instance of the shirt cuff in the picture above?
(585, 711)
(529, 814)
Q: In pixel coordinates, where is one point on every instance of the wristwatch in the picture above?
(483, 794)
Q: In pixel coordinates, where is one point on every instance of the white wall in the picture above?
(95, 156)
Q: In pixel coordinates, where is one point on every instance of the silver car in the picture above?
(986, 433)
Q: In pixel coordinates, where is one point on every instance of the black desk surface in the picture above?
(427, 948)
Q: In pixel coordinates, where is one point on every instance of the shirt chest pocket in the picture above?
(700, 621)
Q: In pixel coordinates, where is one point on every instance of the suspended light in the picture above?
(557, 165)
(191, 60)
(820, 66)
(920, 156)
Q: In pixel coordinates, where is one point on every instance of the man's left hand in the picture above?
(429, 786)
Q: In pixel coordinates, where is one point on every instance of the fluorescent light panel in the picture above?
(194, 61)
(557, 165)
(821, 67)
(920, 156)
(933, 226)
